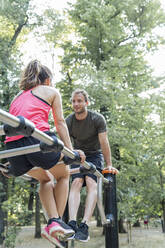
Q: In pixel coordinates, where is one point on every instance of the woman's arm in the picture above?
(59, 120)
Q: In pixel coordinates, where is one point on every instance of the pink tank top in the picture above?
(33, 108)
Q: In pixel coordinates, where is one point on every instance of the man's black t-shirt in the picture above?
(84, 133)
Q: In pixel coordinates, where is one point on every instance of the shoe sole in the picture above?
(83, 241)
(61, 234)
(71, 238)
(51, 240)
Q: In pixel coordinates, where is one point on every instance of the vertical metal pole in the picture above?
(111, 229)
(65, 219)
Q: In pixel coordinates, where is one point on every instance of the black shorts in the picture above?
(23, 163)
(97, 159)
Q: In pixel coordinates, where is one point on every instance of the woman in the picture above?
(34, 102)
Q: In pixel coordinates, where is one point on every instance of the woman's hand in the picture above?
(82, 155)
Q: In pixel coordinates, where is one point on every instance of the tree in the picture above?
(14, 23)
(107, 59)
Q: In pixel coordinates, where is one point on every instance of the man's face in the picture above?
(79, 104)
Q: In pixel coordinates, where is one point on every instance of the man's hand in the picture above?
(111, 169)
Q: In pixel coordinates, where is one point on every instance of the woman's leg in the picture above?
(46, 190)
(52, 200)
(61, 173)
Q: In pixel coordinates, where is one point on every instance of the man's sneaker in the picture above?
(73, 225)
(82, 233)
(58, 228)
(53, 240)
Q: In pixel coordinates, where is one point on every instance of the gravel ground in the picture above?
(26, 239)
(141, 238)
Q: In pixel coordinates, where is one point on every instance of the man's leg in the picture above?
(74, 202)
(74, 198)
(82, 233)
(91, 199)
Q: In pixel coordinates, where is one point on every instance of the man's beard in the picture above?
(80, 112)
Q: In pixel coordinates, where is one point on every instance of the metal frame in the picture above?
(13, 121)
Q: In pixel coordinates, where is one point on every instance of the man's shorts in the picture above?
(23, 163)
(97, 159)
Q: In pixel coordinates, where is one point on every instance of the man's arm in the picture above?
(106, 150)
(105, 147)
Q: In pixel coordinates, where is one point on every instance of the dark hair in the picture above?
(81, 91)
(34, 74)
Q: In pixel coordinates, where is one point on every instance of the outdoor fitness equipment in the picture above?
(21, 126)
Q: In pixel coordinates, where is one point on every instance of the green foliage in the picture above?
(11, 236)
(108, 61)
(13, 18)
(54, 26)
(108, 29)
(17, 203)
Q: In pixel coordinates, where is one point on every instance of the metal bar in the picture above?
(100, 201)
(4, 170)
(68, 152)
(1, 130)
(13, 121)
(86, 165)
(42, 137)
(74, 171)
(7, 118)
(19, 151)
(97, 173)
(27, 177)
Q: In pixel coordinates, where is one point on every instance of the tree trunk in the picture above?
(163, 201)
(136, 224)
(3, 214)
(163, 219)
(2, 226)
(31, 198)
(121, 226)
(37, 217)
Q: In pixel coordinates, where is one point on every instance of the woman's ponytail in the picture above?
(34, 74)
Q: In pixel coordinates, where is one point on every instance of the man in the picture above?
(88, 132)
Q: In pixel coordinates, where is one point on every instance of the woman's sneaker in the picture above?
(53, 240)
(58, 228)
(82, 233)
